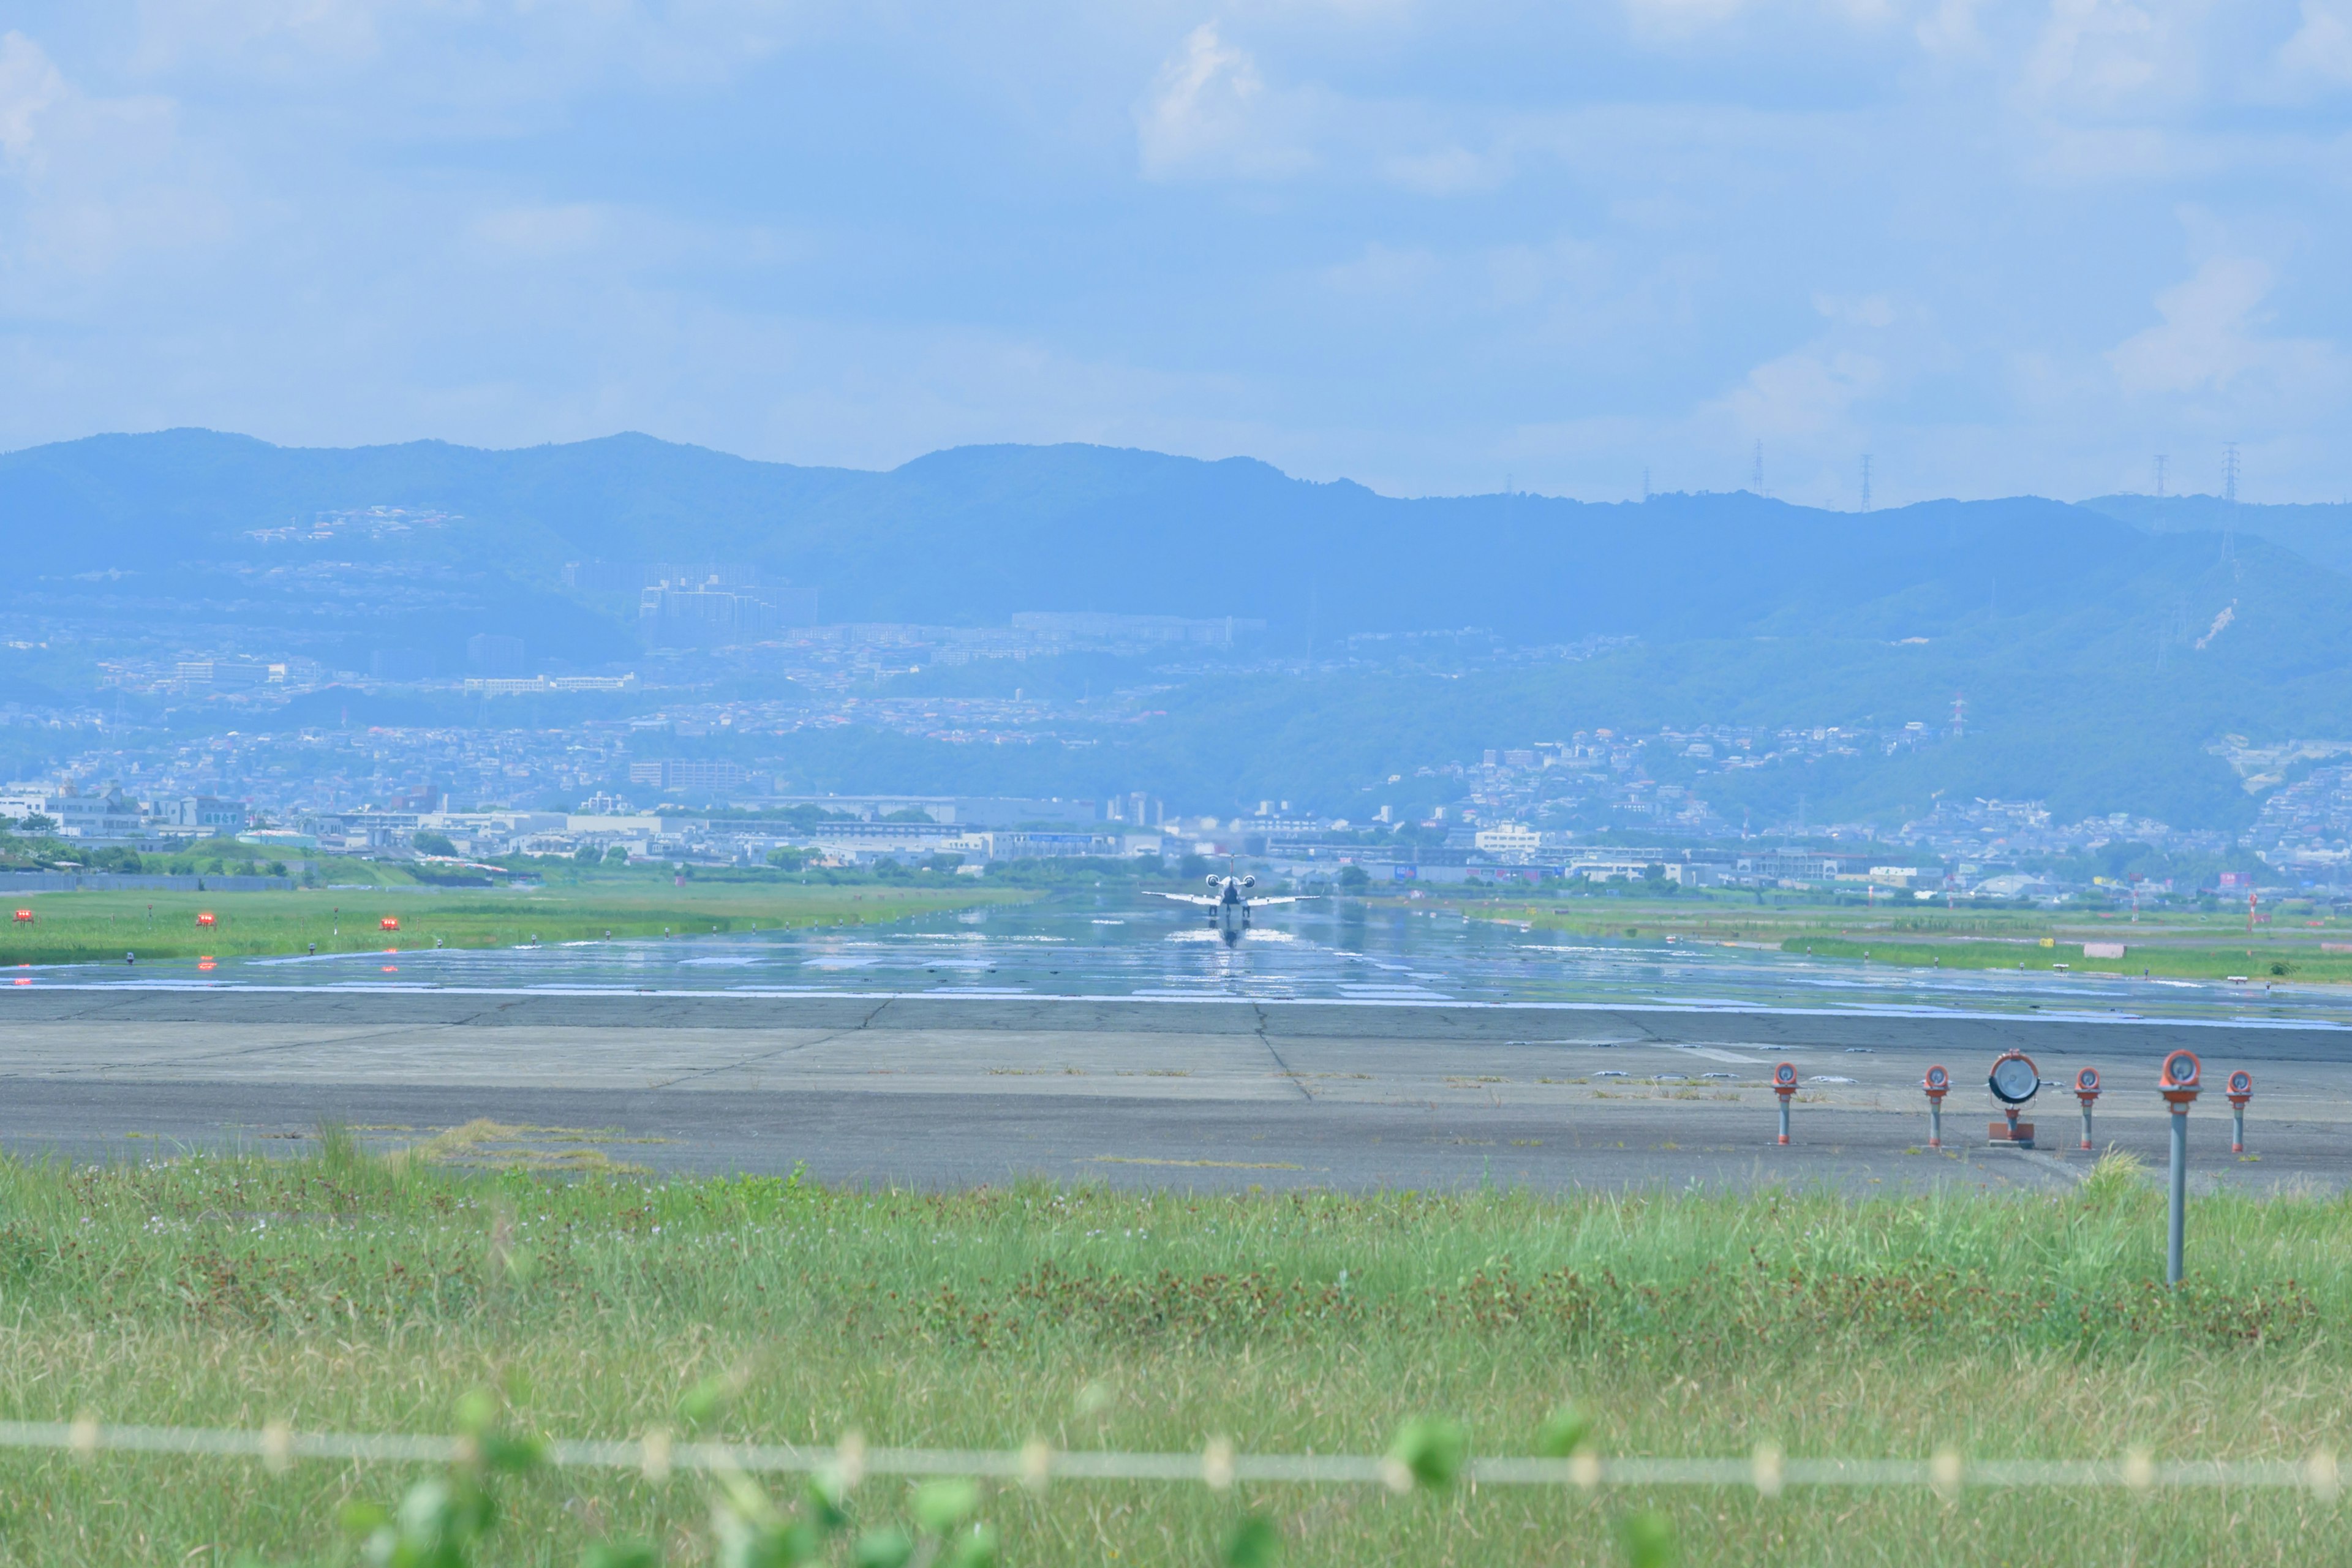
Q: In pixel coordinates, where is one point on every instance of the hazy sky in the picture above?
(2001, 246)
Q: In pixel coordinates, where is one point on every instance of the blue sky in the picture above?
(2002, 247)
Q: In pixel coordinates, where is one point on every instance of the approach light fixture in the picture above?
(2014, 1079)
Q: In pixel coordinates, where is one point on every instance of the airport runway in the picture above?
(940, 1092)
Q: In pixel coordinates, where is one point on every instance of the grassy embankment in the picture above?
(2168, 945)
(101, 927)
(352, 1293)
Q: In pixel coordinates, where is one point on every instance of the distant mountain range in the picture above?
(2099, 646)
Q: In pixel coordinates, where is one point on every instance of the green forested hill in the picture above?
(2083, 637)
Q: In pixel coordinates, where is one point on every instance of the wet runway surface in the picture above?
(1325, 950)
(1079, 1040)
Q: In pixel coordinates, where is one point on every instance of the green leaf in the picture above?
(824, 1507)
(428, 1513)
(802, 1541)
(477, 1410)
(705, 1400)
(887, 1548)
(360, 1517)
(1563, 1433)
(620, 1555)
(1649, 1539)
(745, 1542)
(1255, 1543)
(1433, 1448)
(976, 1548)
(510, 1454)
(940, 1505)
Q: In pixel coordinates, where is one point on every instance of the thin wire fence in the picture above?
(1218, 1465)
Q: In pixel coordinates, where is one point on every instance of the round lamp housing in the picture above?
(2014, 1079)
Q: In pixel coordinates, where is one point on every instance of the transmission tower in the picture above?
(1645, 484)
(1865, 481)
(2230, 499)
(2160, 475)
(1756, 479)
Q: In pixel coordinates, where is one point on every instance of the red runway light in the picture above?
(207, 919)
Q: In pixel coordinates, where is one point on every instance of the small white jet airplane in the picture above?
(1228, 906)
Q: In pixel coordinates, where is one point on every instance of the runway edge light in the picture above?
(2177, 1081)
(1784, 1084)
(2086, 1090)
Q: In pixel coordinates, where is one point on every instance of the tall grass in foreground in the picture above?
(344, 1292)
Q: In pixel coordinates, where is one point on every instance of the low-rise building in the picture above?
(1030, 846)
(111, 815)
(205, 813)
(689, 773)
(1508, 838)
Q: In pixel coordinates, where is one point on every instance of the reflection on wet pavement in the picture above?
(1086, 945)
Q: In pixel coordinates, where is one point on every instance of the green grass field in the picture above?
(86, 927)
(2255, 963)
(345, 1292)
(2170, 945)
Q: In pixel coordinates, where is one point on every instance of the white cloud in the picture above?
(29, 84)
(535, 234)
(248, 33)
(1677, 17)
(1817, 393)
(2208, 339)
(1209, 113)
(2322, 47)
(2108, 57)
(1865, 310)
(1811, 393)
(1383, 274)
(1448, 171)
(1949, 27)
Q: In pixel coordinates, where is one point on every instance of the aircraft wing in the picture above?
(1182, 898)
(1260, 903)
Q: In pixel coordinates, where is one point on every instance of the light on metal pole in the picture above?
(1784, 1084)
(2014, 1080)
(2242, 1089)
(2086, 1090)
(1939, 1083)
(2178, 1083)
